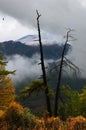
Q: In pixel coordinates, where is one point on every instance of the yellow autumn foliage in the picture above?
(7, 92)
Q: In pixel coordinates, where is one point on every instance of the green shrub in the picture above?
(29, 120)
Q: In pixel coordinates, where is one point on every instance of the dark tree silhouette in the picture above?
(57, 95)
(43, 67)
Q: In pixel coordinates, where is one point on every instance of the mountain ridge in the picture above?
(52, 51)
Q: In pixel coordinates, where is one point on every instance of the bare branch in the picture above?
(38, 15)
(69, 29)
(71, 63)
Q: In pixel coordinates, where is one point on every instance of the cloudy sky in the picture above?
(20, 19)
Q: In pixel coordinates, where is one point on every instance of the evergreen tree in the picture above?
(7, 91)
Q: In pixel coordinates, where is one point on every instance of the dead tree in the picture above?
(57, 95)
(43, 67)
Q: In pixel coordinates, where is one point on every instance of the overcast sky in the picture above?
(20, 19)
(20, 16)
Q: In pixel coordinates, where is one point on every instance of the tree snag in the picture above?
(43, 67)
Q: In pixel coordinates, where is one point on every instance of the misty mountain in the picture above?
(51, 51)
(33, 39)
(23, 56)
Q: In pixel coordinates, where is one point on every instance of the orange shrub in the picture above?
(49, 124)
(13, 115)
(77, 123)
(1, 113)
(2, 121)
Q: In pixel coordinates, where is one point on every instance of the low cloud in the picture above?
(26, 68)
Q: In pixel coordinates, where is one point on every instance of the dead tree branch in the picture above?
(60, 74)
(43, 67)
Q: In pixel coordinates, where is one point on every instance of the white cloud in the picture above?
(83, 3)
(56, 15)
(11, 29)
(26, 68)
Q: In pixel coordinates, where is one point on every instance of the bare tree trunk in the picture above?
(43, 68)
(59, 78)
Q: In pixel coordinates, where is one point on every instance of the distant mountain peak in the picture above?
(28, 39)
(33, 39)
